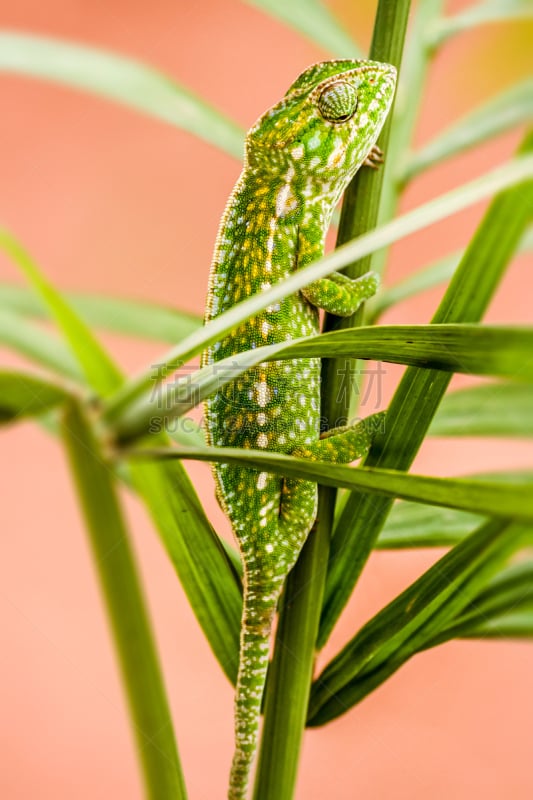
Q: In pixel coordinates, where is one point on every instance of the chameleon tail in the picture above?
(260, 602)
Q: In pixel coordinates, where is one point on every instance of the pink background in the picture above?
(112, 202)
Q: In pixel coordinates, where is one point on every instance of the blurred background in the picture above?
(112, 202)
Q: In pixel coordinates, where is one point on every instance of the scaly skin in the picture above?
(300, 155)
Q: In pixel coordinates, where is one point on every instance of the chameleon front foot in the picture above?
(343, 445)
(374, 158)
(340, 295)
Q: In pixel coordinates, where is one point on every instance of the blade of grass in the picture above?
(498, 499)
(121, 588)
(510, 626)
(404, 625)
(420, 391)
(132, 317)
(416, 62)
(121, 79)
(515, 172)
(38, 345)
(314, 21)
(479, 14)
(511, 592)
(427, 278)
(411, 525)
(207, 574)
(491, 409)
(471, 349)
(25, 395)
(99, 370)
(512, 107)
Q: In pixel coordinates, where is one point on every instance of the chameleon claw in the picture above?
(374, 158)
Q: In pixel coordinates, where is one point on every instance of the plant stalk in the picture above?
(288, 687)
(121, 588)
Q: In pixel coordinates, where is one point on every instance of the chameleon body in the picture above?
(299, 157)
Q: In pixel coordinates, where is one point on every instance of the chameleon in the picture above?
(299, 157)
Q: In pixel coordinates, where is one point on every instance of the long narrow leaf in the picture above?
(132, 317)
(25, 395)
(470, 349)
(314, 21)
(99, 370)
(481, 13)
(399, 630)
(491, 409)
(412, 525)
(427, 278)
(511, 592)
(207, 574)
(40, 346)
(515, 172)
(121, 79)
(514, 106)
(517, 625)
(515, 502)
(123, 595)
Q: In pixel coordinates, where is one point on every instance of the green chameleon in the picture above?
(299, 157)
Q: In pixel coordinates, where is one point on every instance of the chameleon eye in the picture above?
(338, 102)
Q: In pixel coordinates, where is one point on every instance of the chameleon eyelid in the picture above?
(338, 101)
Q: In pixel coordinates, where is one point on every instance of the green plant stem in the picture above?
(288, 686)
(291, 672)
(405, 114)
(128, 617)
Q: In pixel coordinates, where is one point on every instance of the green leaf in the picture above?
(38, 345)
(131, 317)
(479, 14)
(508, 626)
(516, 172)
(314, 21)
(509, 593)
(512, 107)
(101, 373)
(207, 574)
(498, 499)
(186, 432)
(472, 349)
(121, 79)
(405, 624)
(421, 390)
(491, 409)
(122, 591)
(412, 525)
(427, 278)
(25, 395)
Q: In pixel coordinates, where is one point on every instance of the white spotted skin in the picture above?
(297, 164)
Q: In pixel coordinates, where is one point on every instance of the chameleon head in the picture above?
(327, 122)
